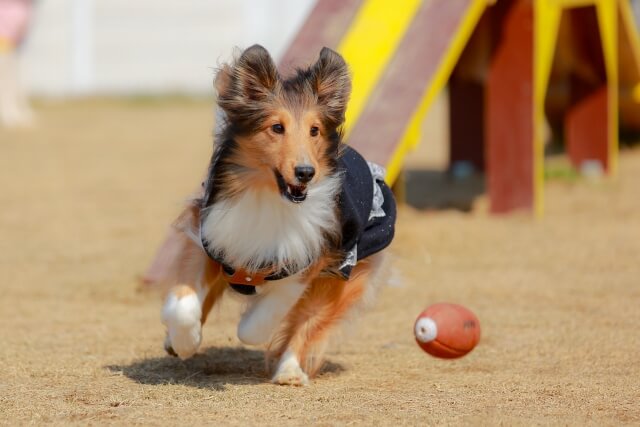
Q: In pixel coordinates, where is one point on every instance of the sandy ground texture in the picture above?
(86, 196)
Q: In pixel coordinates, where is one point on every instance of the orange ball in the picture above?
(447, 330)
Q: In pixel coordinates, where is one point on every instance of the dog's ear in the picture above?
(255, 74)
(243, 86)
(332, 85)
(222, 82)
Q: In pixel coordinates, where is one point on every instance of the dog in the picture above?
(289, 217)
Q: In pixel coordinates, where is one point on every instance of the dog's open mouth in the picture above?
(293, 193)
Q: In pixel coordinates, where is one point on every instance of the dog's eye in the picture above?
(277, 128)
(315, 131)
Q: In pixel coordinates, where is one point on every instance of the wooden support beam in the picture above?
(586, 122)
(509, 132)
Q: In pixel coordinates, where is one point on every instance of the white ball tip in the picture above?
(426, 330)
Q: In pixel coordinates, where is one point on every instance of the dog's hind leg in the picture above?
(301, 341)
(186, 308)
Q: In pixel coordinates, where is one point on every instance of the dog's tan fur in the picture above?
(310, 107)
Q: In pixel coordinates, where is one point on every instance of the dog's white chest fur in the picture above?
(261, 227)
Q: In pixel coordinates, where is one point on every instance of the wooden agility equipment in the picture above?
(498, 58)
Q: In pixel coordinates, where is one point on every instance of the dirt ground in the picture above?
(85, 199)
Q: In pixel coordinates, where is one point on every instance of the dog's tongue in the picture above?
(297, 190)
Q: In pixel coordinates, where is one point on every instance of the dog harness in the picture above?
(367, 213)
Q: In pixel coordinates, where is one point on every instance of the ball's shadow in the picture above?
(213, 369)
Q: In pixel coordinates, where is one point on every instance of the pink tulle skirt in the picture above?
(14, 17)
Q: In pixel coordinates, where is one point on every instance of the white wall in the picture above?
(148, 46)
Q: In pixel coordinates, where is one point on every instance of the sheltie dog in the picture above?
(289, 217)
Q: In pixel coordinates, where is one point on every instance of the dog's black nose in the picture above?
(304, 173)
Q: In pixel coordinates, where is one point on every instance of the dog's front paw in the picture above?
(183, 342)
(289, 371)
(291, 376)
(182, 315)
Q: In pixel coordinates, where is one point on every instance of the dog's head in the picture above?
(281, 133)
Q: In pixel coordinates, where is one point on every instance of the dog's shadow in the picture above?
(212, 369)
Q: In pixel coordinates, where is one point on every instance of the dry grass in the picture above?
(86, 197)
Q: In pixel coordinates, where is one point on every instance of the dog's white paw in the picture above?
(290, 376)
(289, 372)
(181, 315)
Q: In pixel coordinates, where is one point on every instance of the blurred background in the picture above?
(92, 47)
(80, 49)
